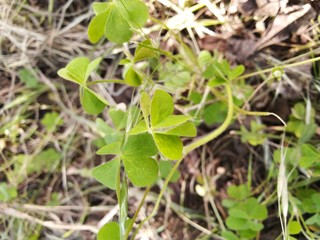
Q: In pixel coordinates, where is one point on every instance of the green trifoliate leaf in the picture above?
(92, 66)
(107, 173)
(161, 107)
(170, 146)
(142, 171)
(112, 148)
(92, 103)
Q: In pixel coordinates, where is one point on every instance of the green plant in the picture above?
(146, 139)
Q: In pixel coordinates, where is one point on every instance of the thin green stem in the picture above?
(207, 138)
(268, 70)
(129, 228)
(106, 81)
(199, 142)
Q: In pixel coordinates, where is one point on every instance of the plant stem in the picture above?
(129, 228)
(199, 142)
(291, 65)
(106, 81)
(207, 138)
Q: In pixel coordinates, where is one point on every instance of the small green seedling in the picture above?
(245, 213)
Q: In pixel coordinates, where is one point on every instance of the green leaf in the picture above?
(254, 226)
(109, 231)
(141, 145)
(51, 120)
(307, 131)
(215, 82)
(100, 7)
(144, 51)
(310, 155)
(96, 28)
(92, 66)
(109, 134)
(141, 127)
(112, 149)
(215, 113)
(170, 146)
(294, 227)
(236, 72)
(132, 78)
(184, 130)
(134, 11)
(165, 168)
(314, 220)
(204, 58)
(238, 213)
(161, 107)
(117, 28)
(172, 120)
(118, 117)
(142, 171)
(79, 69)
(235, 223)
(75, 70)
(107, 173)
(145, 104)
(46, 160)
(239, 192)
(254, 209)
(28, 78)
(7, 193)
(227, 235)
(92, 103)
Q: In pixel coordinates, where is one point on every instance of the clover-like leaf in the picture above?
(141, 127)
(161, 107)
(186, 129)
(145, 105)
(172, 120)
(110, 231)
(76, 70)
(92, 103)
(100, 7)
(96, 27)
(132, 78)
(107, 173)
(144, 50)
(134, 11)
(117, 28)
(112, 148)
(170, 146)
(141, 145)
(79, 69)
(142, 171)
